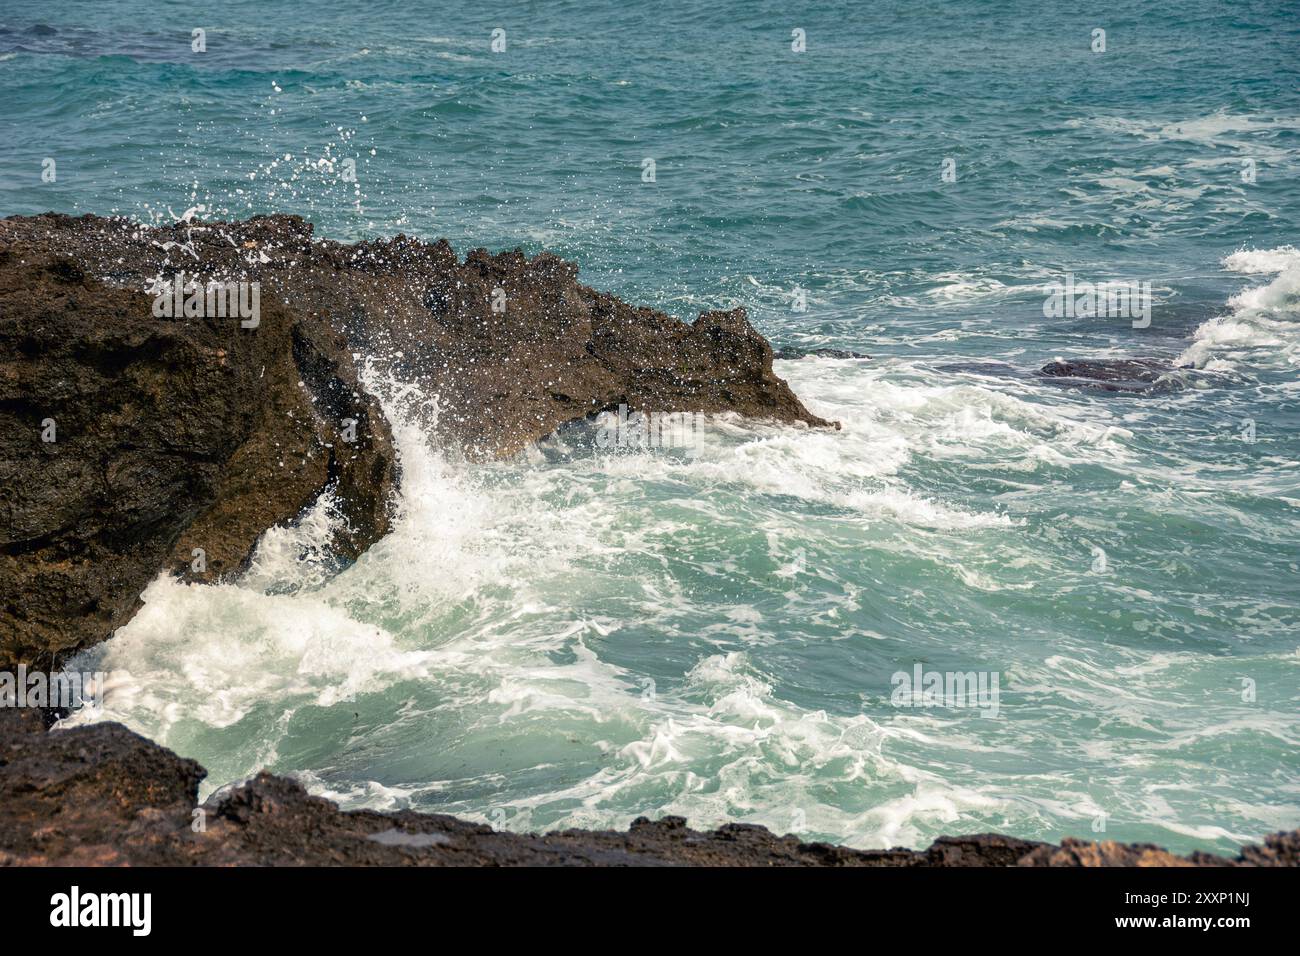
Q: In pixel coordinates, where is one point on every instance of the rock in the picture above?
(791, 352)
(508, 366)
(1279, 849)
(181, 434)
(990, 369)
(103, 795)
(1074, 852)
(127, 441)
(1112, 375)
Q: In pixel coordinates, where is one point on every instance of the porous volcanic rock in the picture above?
(128, 441)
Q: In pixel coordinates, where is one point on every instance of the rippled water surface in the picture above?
(576, 638)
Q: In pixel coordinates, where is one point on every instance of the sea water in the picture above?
(587, 634)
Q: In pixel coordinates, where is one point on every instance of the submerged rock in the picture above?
(1115, 375)
(102, 795)
(791, 352)
(132, 441)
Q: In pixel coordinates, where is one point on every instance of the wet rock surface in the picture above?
(513, 347)
(793, 352)
(128, 441)
(102, 795)
(1113, 375)
(176, 434)
(1119, 376)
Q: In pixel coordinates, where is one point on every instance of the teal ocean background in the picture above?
(578, 638)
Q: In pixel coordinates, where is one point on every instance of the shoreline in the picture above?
(105, 796)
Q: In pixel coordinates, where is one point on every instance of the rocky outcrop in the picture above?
(102, 795)
(128, 441)
(132, 443)
(513, 347)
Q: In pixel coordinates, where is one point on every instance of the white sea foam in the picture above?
(963, 287)
(1218, 129)
(1259, 261)
(462, 595)
(1263, 328)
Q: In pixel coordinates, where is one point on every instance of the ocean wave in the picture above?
(1263, 327)
(1262, 261)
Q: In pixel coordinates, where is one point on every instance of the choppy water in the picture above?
(574, 639)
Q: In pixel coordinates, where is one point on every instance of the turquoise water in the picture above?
(577, 638)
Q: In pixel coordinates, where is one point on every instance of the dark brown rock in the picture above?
(558, 351)
(793, 352)
(100, 796)
(1115, 375)
(169, 436)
